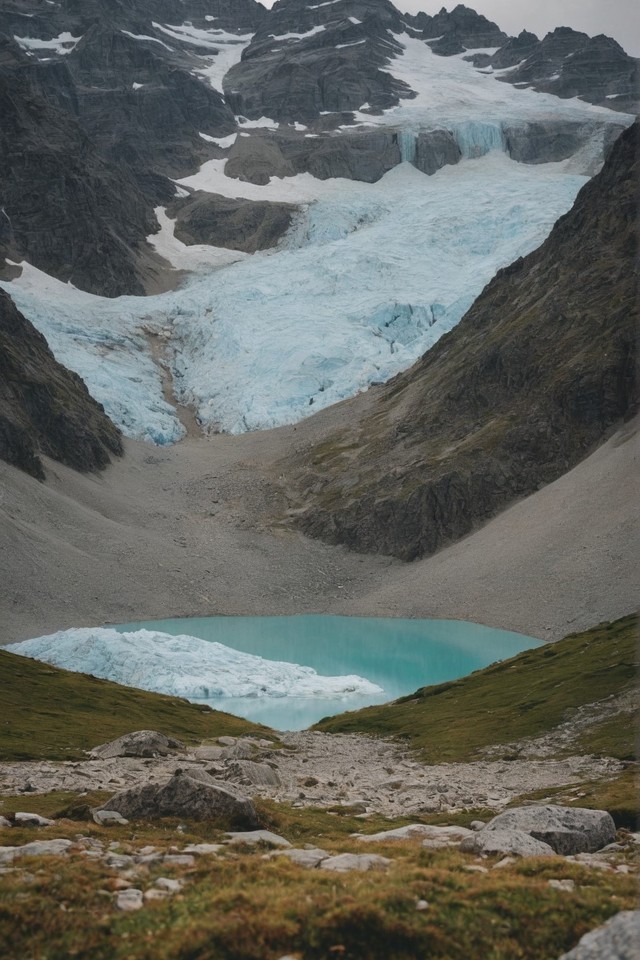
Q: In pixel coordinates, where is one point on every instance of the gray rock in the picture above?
(258, 836)
(619, 939)
(355, 861)
(208, 753)
(32, 820)
(4, 822)
(431, 835)
(258, 774)
(242, 750)
(203, 849)
(140, 743)
(185, 795)
(108, 818)
(39, 848)
(309, 858)
(567, 830)
(436, 149)
(131, 899)
(506, 841)
(167, 883)
(568, 886)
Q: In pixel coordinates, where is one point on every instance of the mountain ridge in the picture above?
(493, 410)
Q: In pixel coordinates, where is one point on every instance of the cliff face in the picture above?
(529, 381)
(44, 408)
(65, 208)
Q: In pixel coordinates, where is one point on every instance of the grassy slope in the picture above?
(522, 697)
(54, 714)
(242, 907)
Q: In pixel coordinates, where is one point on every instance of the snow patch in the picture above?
(297, 36)
(260, 122)
(184, 666)
(62, 44)
(197, 257)
(223, 142)
(143, 36)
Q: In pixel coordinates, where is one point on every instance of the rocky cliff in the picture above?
(541, 366)
(44, 408)
(569, 63)
(105, 102)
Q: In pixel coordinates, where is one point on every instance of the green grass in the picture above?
(525, 696)
(240, 906)
(54, 714)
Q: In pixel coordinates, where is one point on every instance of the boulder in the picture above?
(31, 820)
(185, 795)
(108, 818)
(258, 774)
(567, 830)
(130, 899)
(355, 861)
(39, 848)
(515, 842)
(304, 858)
(258, 836)
(140, 743)
(430, 835)
(616, 940)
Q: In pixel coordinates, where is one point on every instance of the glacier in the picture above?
(185, 666)
(367, 279)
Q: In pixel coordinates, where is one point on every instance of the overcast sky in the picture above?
(617, 18)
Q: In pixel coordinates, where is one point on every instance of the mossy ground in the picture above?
(241, 906)
(55, 714)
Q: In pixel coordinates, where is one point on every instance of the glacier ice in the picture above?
(381, 272)
(366, 280)
(184, 666)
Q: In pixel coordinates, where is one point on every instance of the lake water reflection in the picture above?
(397, 655)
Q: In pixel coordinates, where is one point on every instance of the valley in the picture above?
(318, 311)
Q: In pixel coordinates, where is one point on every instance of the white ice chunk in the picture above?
(184, 666)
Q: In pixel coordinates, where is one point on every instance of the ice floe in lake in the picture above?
(184, 666)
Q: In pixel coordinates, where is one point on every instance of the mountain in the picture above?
(533, 376)
(111, 101)
(44, 408)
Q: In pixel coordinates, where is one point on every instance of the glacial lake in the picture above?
(398, 655)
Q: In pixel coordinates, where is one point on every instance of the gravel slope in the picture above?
(184, 531)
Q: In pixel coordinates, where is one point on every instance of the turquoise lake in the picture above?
(397, 655)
